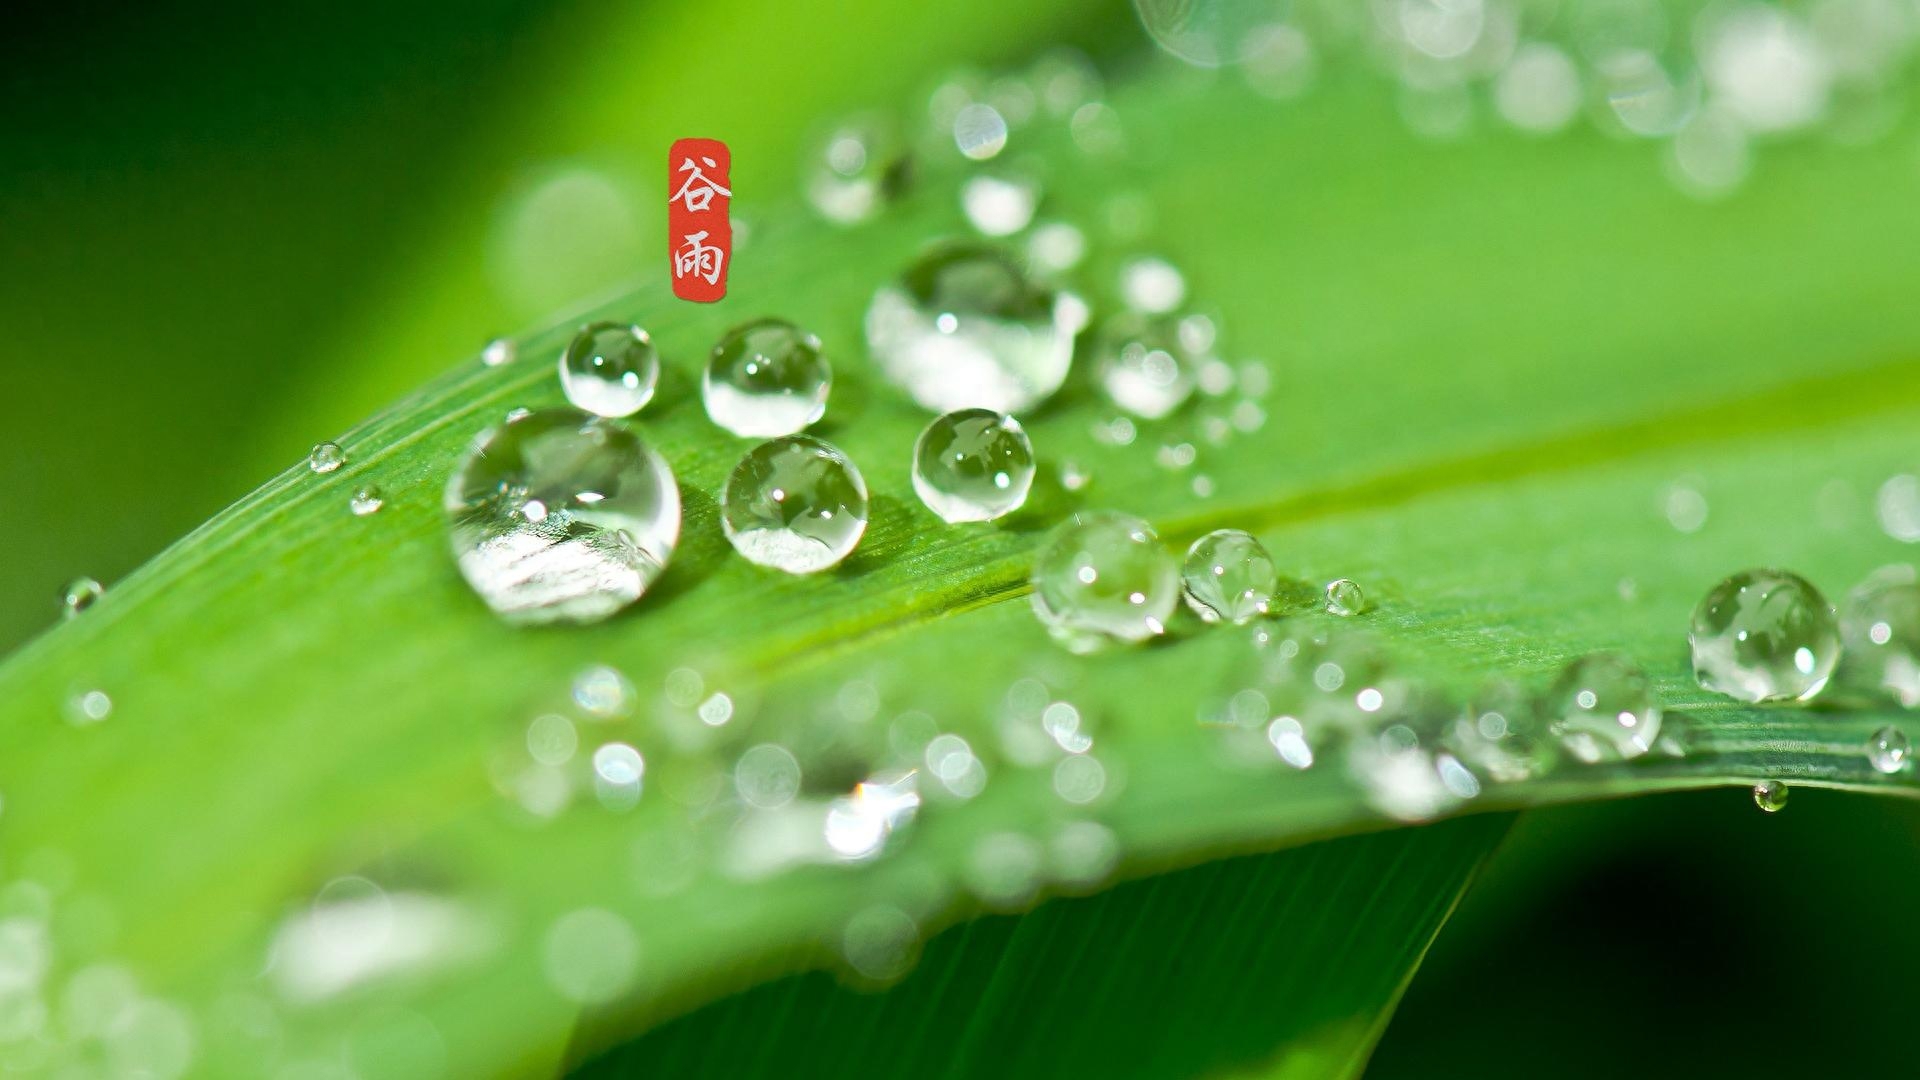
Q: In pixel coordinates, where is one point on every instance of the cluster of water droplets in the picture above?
(1714, 84)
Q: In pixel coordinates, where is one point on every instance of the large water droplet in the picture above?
(1764, 635)
(557, 516)
(1144, 368)
(1881, 633)
(766, 378)
(1102, 578)
(79, 595)
(1770, 795)
(610, 369)
(973, 465)
(796, 504)
(1603, 709)
(964, 328)
(1229, 575)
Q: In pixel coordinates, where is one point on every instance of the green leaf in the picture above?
(1484, 382)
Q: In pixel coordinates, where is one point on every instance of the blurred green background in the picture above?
(230, 231)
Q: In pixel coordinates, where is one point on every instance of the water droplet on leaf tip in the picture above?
(1770, 795)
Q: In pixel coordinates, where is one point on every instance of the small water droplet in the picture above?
(880, 943)
(1603, 709)
(1055, 248)
(603, 693)
(1880, 631)
(1229, 575)
(1102, 578)
(766, 378)
(999, 205)
(80, 594)
(1143, 368)
(979, 131)
(1074, 476)
(1685, 507)
(1888, 750)
(858, 825)
(326, 457)
(973, 465)
(366, 500)
(952, 762)
(1764, 635)
(1345, 597)
(499, 351)
(1152, 286)
(619, 772)
(1770, 795)
(767, 777)
(861, 166)
(89, 707)
(591, 956)
(963, 327)
(562, 517)
(610, 369)
(796, 504)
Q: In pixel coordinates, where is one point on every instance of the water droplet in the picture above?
(1176, 456)
(1603, 709)
(880, 943)
(355, 933)
(767, 777)
(1881, 633)
(610, 369)
(603, 693)
(366, 500)
(499, 351)
(1764, 635)
(956, 766)
(619, 772)
(1151, 286)
(1345, 597)
(1055, 248)
(1685, 507)
(860, 167)
(1074, 476)
(1770, 795)
(1229, 575)
(1539, 91)
(89, 707)
(973, 465)
(795, 504)
(591, 956)
(999, 205)
(1102, 578)
(766, 378)
(1143, 367)
(1888, 749)
(965, 328)
(326, 457)
(1898, 506)
(979, 131)
(1079, 779)
(551, 740)
(1500, 735)
(562, 517)
(79, 595)
(858, 825)
(1003, 870)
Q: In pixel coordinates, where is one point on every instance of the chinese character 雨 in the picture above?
(697, 191)
(699, 259)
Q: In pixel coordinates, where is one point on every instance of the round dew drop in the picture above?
(366, 500)
(1345, 597)
(965, 328)
(766, 378)
(326, 457)
(1770, 795)
(80, 594)
(1103, 578)
(1764, 635)
(1881, 633)
(557, 516)
(1603, 709)
(796, 504)
(973, 465)
(610, 369)
(1888, 750)
(1144, 368)
(1228, 576)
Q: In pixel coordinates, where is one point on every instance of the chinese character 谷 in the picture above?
(697, 191)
